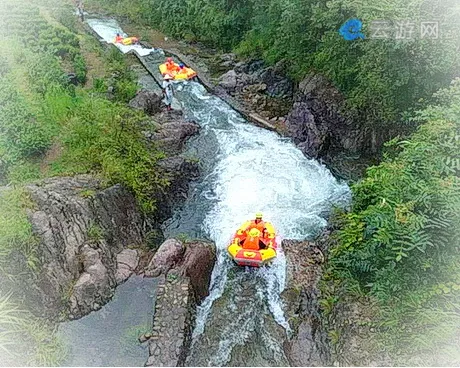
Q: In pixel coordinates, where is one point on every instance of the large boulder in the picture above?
(148, 101)
(194, 260)
(233, 82)
(172, 136)
(316, 122)
(198, 263)
(184, 274)
(127, 262)
(94, 286)
(167, 256)
(229, 80)
(323, 128)
(278, 85)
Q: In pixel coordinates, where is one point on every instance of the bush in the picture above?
(105, 137)
(400, 242)
(15, 229)
(21, 135)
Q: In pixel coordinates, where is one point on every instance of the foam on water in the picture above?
(256, 170)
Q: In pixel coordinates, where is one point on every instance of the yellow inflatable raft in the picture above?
(251, 247)
(177, 72)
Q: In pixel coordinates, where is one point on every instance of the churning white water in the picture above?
(245, 169)
(255, 170)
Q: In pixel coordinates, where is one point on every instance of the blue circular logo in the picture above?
(350, 30)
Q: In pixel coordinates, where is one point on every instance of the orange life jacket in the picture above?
(260, 226)
(118, 39)
(172, 67)
(251, 243)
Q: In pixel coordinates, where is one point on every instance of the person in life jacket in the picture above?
(118, 38)
(253, 240)
(171, 67)
(258, 224)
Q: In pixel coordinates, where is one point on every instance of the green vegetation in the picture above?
(95, 233)
(381, 79)
(19, 329)
(41, 110)
(15, 229)
(49, 127)
(400, 242)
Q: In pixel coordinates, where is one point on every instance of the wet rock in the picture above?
(148, 101)
(179, 172)
(154, 239)
(172, 136)
(167, 256)
(198, 263)
(127, 262)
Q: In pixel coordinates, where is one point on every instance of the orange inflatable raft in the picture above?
(127, 40)
(252, 248)
(177, 72)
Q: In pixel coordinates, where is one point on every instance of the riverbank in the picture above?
(82, 167)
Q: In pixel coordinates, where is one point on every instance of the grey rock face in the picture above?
(94, 286)
(277, 83)
(148, 101)
(166, 257)
(172, 135)
(316, 123)
(179, 172)
(198, 263)
(322, 128)
(81, 227)
(127, 261)
(229, 81)
(185, 274)
(308, 345)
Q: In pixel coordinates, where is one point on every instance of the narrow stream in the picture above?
(244, 169)
(109, 337)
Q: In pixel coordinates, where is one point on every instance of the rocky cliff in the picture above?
(81, 227)
(308, 345)
(184, 271)
(88, 233)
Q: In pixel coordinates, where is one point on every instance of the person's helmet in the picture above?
(167, 76)
(253, 233)
(181, 65)
(259, 215)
